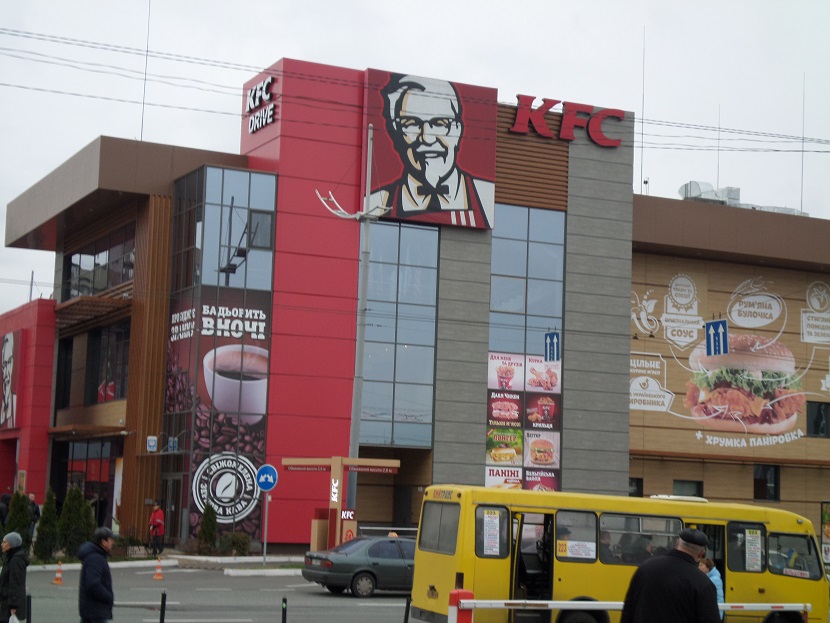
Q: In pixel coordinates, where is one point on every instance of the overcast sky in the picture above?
(732, 92)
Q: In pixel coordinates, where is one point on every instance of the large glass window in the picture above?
(399, 352)
(100, 265)
(108, 358)
(818, 419)
(766, 483)
(527, 275)
(224, 230)
(633, 539)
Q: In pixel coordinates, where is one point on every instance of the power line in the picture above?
(204, 86)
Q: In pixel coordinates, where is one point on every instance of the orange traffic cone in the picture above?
(158, 575)
(58, 574)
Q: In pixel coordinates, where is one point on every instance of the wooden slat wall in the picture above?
(148, 357)
(531, 170)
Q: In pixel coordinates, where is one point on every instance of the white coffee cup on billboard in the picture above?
(237, 380)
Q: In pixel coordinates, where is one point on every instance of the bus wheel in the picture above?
(578, 617)
(363, 585)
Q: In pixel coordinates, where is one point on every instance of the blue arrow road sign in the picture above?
(266, 477)
(553, 345)
(717, 338)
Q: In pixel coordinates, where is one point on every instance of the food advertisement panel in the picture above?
(524, 422)
(756, 384)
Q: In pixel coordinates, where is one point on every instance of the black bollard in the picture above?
(29, 606)
(406, 611)
(163, 606)
(284, 610)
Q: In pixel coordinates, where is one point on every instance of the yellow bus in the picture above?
(509, 544)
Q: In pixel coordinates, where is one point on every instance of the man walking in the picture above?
(34, 514)
(95, 596)
(671, 589)
(13, 578)
(157, 529)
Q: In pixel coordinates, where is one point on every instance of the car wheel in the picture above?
(334, 589)
(363, 585)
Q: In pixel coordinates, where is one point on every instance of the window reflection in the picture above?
(101, 265)
(400, 335)
(527, 273)
(218, 240)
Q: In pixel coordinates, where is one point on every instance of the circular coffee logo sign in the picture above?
(228, 480)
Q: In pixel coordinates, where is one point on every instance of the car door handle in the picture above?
(375, 564)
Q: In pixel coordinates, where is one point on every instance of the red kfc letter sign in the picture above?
(573, 116)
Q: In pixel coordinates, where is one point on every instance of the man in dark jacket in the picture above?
(95, 596)
(13, 578)
(671, 589)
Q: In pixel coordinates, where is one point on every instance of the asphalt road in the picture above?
(210, 596)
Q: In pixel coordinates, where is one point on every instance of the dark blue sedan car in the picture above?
(363, 565)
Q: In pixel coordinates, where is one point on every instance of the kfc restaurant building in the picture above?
(208, 317)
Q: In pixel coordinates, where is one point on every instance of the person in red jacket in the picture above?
(157, 529)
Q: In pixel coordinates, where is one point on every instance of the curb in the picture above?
(261, 572)
(75, 566)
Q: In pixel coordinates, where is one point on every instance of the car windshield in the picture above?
(347, 547)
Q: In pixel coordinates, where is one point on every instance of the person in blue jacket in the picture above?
(95, 596)
(707, 565)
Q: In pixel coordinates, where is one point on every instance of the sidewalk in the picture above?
(232, 565)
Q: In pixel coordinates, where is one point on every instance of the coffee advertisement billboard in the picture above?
(218, 363)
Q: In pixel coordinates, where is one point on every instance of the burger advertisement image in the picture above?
(541, 449)
(738, 366)
(751, 389)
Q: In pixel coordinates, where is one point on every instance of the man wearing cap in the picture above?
(95, 596)
(13, 578)
(671, 589)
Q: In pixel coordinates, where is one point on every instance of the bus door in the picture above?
(532, 559)
(716, 533)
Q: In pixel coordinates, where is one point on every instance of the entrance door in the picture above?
(532, 568)
(171, 487)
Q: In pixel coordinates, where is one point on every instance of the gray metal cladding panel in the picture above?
(457, 473)
(460, 371)
(593, 169)
(465, 311)
(606, 382)
(593, 434)
(598, 227)
(614, 362)
(578, 265)
(598, 324)
(465, 245)
(609, 301)
(588, 284)
(581, 188)
(465, 290)
(609, 208)
(591, 342)
(606, 481)
(598, 420)
(586, 245)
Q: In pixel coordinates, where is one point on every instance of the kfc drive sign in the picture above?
(260, 109)
(573, 116)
